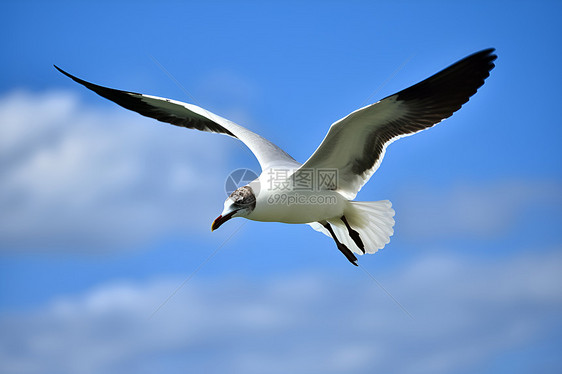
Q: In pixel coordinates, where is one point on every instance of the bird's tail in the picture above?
(373, 220)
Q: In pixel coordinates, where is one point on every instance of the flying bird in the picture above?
(321, 191)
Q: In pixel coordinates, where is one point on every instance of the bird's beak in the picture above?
(220, 220)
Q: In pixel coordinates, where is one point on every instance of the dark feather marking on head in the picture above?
(244, 196)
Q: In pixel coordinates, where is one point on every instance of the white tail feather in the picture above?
(373, 220)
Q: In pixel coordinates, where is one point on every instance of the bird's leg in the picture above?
(354, 235)
(343, 249)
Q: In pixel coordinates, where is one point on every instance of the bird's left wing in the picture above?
(355, 145)
(192, 117)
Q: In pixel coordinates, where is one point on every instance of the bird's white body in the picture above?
(320, 192)
(278, 200)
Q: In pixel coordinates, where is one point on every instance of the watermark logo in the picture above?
(289, 186)
(239, 178)
(304, 179)
(296, 198)
(304, 186)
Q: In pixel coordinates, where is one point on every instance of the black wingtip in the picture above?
(489, 52)
(487, 55)
(454, 85)
(134, 101)
(76, 79)
(486, 50)
(60, 70)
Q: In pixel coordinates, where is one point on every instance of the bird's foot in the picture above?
(354, 235)
(347, 253)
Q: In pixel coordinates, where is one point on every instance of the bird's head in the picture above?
(240, 203)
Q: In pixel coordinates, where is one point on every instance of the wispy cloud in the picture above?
(481, 210)
(467, 313)
(77, 176)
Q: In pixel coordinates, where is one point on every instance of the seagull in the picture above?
(321, 191)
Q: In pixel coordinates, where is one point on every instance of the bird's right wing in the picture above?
(192, 117)
(355, 145)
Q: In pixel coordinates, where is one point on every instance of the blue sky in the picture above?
(99, 224)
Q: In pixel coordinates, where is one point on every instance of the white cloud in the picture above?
(475, 210)
(76, 176)
(467, 313)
